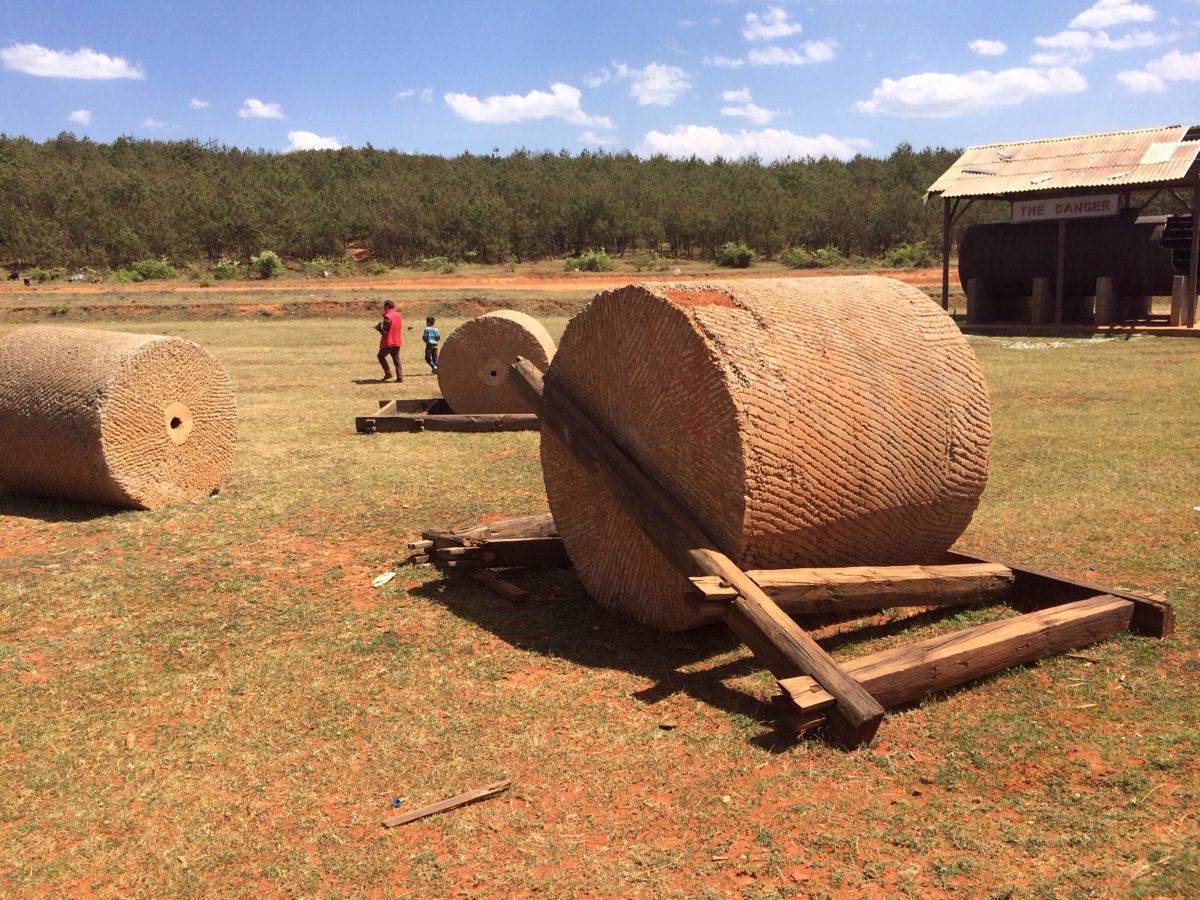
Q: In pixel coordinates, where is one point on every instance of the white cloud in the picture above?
(307, 140)
(746, 108)
(658, 84)
(81, 116)
(34, 59)
(769, 144)
(591, 137)
(724, 62)
(561, 103)
(770, 26)
(1106, 13)
(425, 95)
(1074, 47)
(984, 47)
(197, 103)
(1175, 66)
(941, 95)
(150, 122)
(256, 109)
(688, 23)
(808, 52)
(595, 79)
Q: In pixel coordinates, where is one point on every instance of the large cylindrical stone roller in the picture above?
(473, 364)
(128, 420)
(800, 422)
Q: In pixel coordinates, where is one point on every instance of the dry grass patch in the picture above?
(212, 699)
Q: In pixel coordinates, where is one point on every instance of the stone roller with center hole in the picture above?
(473, 363)
(127, 420)
(799, 422)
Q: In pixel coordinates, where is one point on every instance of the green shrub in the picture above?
(153, 270)
(225, 269)
(436, 264)
(589, 261)
(204, 282)
(40, 275)
(326, 264)
(124, 276)
(193, 271)
(909, 256)
(735, 255)
(267, 264)
(799, 258)
(829, 255)
(377, 268)
(646, 260)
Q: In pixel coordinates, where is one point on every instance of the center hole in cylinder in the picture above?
(176, 421)
(494, 373)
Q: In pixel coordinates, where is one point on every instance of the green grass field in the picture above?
(211, 698)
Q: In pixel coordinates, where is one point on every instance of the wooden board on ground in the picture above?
(433, 414)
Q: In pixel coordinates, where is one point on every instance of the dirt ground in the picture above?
(212, 698)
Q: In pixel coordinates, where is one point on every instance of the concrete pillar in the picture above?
(1179, 301)
(1106, 302)
(977, 301)
(1041, 307)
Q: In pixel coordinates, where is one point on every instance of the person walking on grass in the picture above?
(431, 336)
(389, 340)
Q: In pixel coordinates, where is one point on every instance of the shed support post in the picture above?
(1060, 272)
(946, 253)
(1195, 257)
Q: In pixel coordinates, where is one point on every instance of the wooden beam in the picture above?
(1061, 271)
(946, 217)
(474, 796)
(1034, 589)
(1194, 260)
(904, 674)
(781, 644)
(803, 592)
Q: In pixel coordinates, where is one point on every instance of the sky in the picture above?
(679, 77)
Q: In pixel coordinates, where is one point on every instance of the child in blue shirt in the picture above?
(431, 336)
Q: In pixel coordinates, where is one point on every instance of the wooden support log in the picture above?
(505, 553)
(784, 647)
(905, 674)
(1033, 589)
(803, 592)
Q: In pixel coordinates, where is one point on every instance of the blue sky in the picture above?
(704, 76)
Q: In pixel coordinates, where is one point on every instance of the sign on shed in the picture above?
(1065, 208)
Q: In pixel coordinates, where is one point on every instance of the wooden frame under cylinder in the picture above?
(433, 414)
(844, 700)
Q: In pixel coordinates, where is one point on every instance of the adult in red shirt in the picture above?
(389, 340)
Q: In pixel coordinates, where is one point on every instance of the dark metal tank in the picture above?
(1008, 257)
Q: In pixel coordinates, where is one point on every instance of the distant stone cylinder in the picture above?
(473, 364)
(799, 422)
(127, 420)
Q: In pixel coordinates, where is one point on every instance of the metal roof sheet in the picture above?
(1145, 157)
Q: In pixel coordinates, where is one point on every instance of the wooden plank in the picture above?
(776, 639)
(946, 216)
(1194, 258)
(1060, 276)
(905, 674)
(510, 553)
(474, 796)
(1033, 589)
(541, 525)
(802, 592)
(1179, 301)
(496, 584)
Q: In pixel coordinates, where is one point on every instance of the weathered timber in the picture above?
(784, 647)
(904, 674)
(504, 553)
(432, 414)
(474, 796)
(541, 525)
(498, 585)
(1033, 589)
(802, 592)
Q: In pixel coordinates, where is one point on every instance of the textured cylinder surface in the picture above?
(799, 422)
(124, 419)
(473, 364)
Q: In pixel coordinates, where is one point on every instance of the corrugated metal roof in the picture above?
(1146, 157)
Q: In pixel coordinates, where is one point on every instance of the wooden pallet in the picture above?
(433, 414)
(765, 608)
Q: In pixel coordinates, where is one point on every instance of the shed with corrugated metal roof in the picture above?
(1053, 181)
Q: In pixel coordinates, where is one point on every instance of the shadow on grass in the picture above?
(568, 625)
(51, 509)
